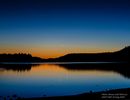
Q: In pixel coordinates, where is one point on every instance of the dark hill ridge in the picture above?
(118, 56)
(122, 55)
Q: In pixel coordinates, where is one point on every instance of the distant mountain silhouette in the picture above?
(118, 56)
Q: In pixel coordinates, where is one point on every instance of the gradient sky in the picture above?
(51, 28)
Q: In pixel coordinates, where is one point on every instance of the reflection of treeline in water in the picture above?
(20, 57)
(18, 67)
(121, 68)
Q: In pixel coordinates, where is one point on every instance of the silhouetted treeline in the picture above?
(118, 56)
(20, 57)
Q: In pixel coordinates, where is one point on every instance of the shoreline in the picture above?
(60, 62)
(123, 93)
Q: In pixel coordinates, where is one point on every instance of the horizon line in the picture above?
(67, 53)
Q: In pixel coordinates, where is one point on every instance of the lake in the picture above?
(58, 79)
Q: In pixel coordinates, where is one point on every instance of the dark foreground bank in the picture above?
(117, 94)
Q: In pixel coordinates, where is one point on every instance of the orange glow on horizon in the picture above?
(52, 52)
(55, 54)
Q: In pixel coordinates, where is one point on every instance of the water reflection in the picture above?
(121, 68)
(17, 67)
(33, 80)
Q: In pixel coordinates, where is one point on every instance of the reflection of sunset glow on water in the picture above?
(53, 70)
(54, 80)
(59, 69)
(48, 67)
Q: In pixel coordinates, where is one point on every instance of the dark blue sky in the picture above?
(50, 28)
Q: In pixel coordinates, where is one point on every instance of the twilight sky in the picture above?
(51, 28)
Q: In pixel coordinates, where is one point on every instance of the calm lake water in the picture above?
(53, 79)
